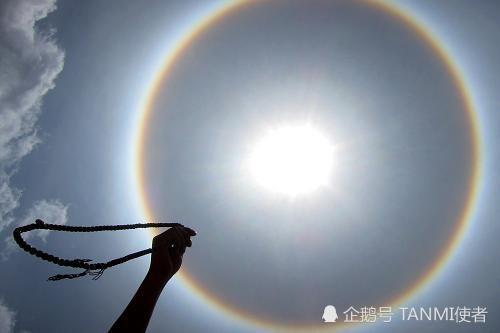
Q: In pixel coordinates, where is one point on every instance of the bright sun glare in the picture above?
(292, 160)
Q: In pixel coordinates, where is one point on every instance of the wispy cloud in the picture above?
(51, 211)
(9, 200)
(30, 61)
(7, 318)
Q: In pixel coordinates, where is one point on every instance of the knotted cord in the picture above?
(93, 269)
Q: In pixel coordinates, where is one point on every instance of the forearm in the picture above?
(135, 318)
(166, 260)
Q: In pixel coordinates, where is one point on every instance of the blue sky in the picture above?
(73, 76)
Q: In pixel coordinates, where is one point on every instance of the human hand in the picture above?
(166, 259)
(168, 249)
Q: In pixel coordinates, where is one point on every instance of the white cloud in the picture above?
(9, 200)
(7, 318)
(50, 211)
(30, 61)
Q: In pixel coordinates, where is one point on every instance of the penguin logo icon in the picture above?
(330, 314)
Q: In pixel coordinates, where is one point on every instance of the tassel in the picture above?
(67, 276)
(95, 273)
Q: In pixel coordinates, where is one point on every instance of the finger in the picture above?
(182, 250)
(177, 251)
(166, 238)
(173, 253)
(190, 231)
(187, 237)
(179, 237)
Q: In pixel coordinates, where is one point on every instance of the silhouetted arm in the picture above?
(165, 262)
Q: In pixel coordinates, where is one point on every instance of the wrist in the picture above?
(156, 280)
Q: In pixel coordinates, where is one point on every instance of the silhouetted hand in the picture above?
(168, 249)
(166, 259)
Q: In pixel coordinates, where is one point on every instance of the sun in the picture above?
(292, 160)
